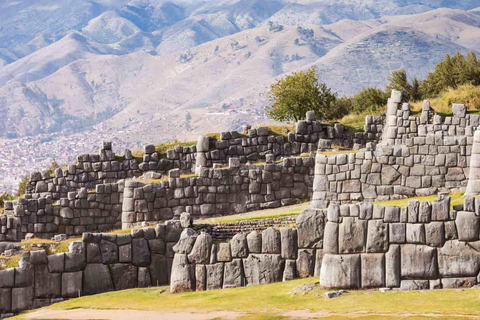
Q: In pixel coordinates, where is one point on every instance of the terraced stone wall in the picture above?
(99, 263)
(218, 192)
(422, 246)
(79, 212)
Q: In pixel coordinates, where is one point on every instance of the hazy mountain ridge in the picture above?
(127, 62)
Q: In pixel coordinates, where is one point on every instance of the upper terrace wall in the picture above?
(218, 192)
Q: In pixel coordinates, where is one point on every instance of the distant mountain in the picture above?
(179, 65)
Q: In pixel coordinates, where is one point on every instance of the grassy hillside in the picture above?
(302, 298)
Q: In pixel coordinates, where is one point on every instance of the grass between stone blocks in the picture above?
(278, 301)
(292, 210)
(455, 198)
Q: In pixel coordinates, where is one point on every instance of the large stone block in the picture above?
(340, 271)
(305, 263)
(183, 275)
(109, 252)
(373, 270)
(330, 241)
(414, 285)
(159, 270)
(201, 249)
(47, 285)
(290, 270)
(468, 226)
(263, 268)
(392, 267)
(5, 300)
(310, 228)
(200, 277)
(459, 259)
(214, 276)
(140, 252)
(289, 243)
(352, 235)
(233, 274)
(124, 275)
(455, 283)
(435, 234)
(418, 262)
(75, 259)
(7, 277)
(72, 284)
(97, 279)
(239, 245)
(22, 299)
(224, 253)
(377, 236)
(254, 241)
(271, 241)
(415, 233)
(186, 241)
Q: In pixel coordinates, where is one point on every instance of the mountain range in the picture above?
(152, 70)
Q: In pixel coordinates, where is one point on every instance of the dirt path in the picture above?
(84, 314)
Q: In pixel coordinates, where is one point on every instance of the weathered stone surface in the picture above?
(330, 241)
(435, 234)
(392, 214)
(416, 233)
(377, 236)
(201, 249)
(352, 235)
(97, 279)
(140, 252)
(458, 259)
(158, 270)
(144, 279)
(340, 271)
(214, 276)
(233, 274)
(310, 227)
(72, 284)
(7, 278)
(254, 241)
(186, 241)
(289, 243)
(263, 268)
(5, 300)
(200, 277)
(397, 232)
(109, 252)
(271, 241)
(183, 275)
(392, 267)
(414, 285)
(333, 213)
(418, 262)
(22, 299)
(318, 262)
(93, 252)
(239, 245)
(305, 263)
(124, 275)
(186, 220)
(454, 283)
(75, 259)
(468, 226)
(224, 254)
(373, 270)
(47, 285)
(440, 208)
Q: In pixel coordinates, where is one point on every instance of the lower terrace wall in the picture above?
(218, 192)
(99, 263)
(79, 212)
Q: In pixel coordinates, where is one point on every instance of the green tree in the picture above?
(399, 81)
(294, 95)
(5, 197)
(22, 187)
(369, 99)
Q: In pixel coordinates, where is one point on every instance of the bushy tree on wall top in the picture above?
(292, 96)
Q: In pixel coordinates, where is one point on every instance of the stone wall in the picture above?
(218, 192)
(81, 211)
(99, 263)
(422, 246)
(248, 259)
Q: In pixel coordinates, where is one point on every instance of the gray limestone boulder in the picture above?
(373, 270)
(468, 226)
(182, 275)
(200, 252)
(414, 285)
(140, 252)
(305, 263)
(97, 279)
(330, 241)
(186, 220)
(124, 275)
(310, 228)
(214, 276)
(271, 241)
(459, 259)
(377, 236)
(263, 268)
(75, 259)
(109, 252)
(186, 241)
(200, 277)
(289, 243)
(239, 245)
(290, 270)
(392, 267)
(233, 276)
(72, 284)
(254, 241)
(224, 253)
(203, 144)
(352, 235)
(418, 262)
(159, 271)
(47, 285)
(340, 271)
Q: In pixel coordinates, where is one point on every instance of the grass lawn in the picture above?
(295, 209)
(455, 198)
(277, 301)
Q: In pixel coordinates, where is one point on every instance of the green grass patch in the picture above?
(292, 210)
(163, 147)
(339, 152)
(455, 198)
(277, 301)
